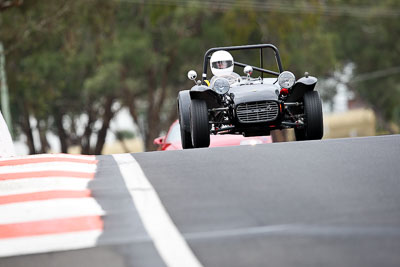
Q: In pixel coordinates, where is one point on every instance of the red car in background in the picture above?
(172, 141)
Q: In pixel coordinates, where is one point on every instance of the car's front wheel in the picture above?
(199, 126)
(300, 134)
(184, 118)
(313, 119)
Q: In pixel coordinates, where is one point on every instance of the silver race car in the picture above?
(229, 103)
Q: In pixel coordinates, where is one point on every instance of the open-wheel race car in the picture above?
(251, 106)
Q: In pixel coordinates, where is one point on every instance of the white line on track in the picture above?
(49, 166)
(170, 244)
(48, 209)
(29, 185)
(46, 243)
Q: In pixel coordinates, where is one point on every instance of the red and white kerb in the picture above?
(46, 205)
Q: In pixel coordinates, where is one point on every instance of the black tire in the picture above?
(199, 125)
(184, 118)
(300, 134)
(313, 119)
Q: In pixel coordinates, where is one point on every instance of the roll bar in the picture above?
(207, 56)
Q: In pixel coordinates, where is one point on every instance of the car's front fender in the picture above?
(302, 86)
(205, 93)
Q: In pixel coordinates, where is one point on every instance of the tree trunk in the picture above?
(151, 130)
(62, 135)
(27, 129)
(44, 144)
(85, 140)
(107, 116)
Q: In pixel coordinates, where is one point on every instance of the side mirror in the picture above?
(159, 140)
(192, 75)
(248, 70)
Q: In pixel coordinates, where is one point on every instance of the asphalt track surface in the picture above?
(314, 203)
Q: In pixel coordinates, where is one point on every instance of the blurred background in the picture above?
(95, 76)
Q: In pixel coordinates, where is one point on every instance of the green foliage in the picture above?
(370, 43)
(103, 82)
(124, 134)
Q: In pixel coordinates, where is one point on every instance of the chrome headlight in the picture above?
(221, 86)
(286, 79)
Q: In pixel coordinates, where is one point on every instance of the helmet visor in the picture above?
(222, 64)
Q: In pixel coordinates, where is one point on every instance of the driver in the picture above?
(221, 64)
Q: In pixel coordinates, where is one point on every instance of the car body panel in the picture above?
(302, 86)
(253, 92)
(171, 141)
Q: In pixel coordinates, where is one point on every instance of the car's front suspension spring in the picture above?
(293, 117)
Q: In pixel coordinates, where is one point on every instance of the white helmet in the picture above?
(221, 63)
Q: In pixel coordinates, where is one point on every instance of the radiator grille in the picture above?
(257, 111)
